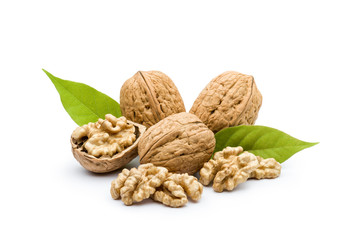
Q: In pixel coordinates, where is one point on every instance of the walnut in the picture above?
(149, 97)
(180, 142)
(137, 184)
(228, 169)
(230, 99)
(268, 168)
(174, 189)
(106, 145)
(232, 166)
(105, 137)
(151, 181)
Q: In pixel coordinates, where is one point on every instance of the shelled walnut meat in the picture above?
(106, 145)
(230, 99)
(148, 97)
(147, 180)
(232, 166)
(180, 142)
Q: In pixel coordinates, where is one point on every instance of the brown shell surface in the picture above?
(180, 142)
(148, 97)
(105, 163)
(230, 99)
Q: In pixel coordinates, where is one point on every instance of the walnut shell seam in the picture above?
(180, 142)
(150, 96)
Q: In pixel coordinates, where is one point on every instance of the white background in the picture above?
(304, 56)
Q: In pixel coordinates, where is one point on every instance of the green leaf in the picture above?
(83, 103)
(262, 141)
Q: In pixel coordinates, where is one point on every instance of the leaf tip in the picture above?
(311, 144)
(47, 73)
(314, 143)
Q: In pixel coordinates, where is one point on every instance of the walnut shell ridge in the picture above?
(148, 97)
(180, 142)
(230, 99)
(105, 163)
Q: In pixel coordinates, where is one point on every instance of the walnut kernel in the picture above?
(138, 183)
(232, 166)
(268, 168)
(106, 137)
(106, 145)
(148, 180)
(174, 189)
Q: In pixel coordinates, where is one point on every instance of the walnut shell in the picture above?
(148, 97)
(180, 142)
(105, 163)
(230, 99)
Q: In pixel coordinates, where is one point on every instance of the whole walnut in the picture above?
(230, 99)
(148, 97)
(180, 142)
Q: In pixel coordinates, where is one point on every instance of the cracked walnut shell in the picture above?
(180, 142)
(148, 97)
(232, 166)
(106, 145)
(230, 99)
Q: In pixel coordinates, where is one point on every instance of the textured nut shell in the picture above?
(180, 142)
(107, 164)
(230, 99)
(149, 97)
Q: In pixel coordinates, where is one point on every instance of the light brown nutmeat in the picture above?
(180, 142)
(138, 183)
(175, 188)
(106, 145)
(106, 137)
(230, 99)
(232, 166)
(148, 97)
(147, 180)
(268, 168)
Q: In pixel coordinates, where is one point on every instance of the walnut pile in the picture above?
(105, 137)
(147, 180)
(232, 166)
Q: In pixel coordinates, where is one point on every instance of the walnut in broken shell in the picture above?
(148, 97)
(106, 145)
(180, 142)
(230, 99)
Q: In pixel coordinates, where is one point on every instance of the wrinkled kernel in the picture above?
(156, 182)
(138, 183)
(105, 137)
(268, 168)
(232, 166)
(175, 188)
